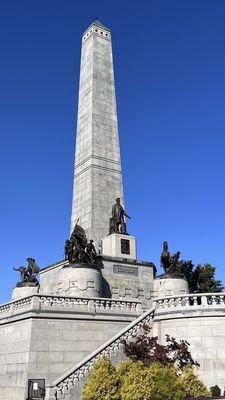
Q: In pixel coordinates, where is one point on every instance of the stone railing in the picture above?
(98, 304)
(190, 301)
(14, 307)
(40, 302)
(62, 386)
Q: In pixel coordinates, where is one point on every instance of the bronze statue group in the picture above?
(79, 250)
(29, 274)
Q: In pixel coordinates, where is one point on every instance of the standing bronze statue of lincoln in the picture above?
(117, 223)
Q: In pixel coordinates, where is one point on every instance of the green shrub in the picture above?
(215, 390)
(133, 380)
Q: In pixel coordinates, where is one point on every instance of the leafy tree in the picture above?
(187, 269)
(147, 349)
(206, 282)
(202, 278)
(193, 386)
(102, 383)
(215, 390)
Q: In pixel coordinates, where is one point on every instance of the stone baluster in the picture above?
(167, 303)
(113, 305)
(184, 301)
(107, 305)
(171, 302)
(213, 300)
(162, 304)
(97, 304)
(204, 301)
(222, 300)
(179, 302)
(219, 300)
(195, 302)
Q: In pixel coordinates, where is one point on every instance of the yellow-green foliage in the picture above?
(166, 382)
(134, 381)
(102, 383)
(193, 386)
(156, 382)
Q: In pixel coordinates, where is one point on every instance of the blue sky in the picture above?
(169, 59)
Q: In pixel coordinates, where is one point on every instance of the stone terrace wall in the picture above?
(14, 359)
(44, 336)
(200, 319)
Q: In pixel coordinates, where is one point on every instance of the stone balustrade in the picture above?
(62, 386)
(190, 301)
(55, 303)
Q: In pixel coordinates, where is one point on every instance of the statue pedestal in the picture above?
(81, 280)
(118, 245)
(24, 289)
(170, 285)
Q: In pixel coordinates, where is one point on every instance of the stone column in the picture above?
(97, 177)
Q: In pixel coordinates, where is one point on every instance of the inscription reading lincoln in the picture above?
(123, 269)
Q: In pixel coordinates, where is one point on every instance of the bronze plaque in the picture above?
(125, 246)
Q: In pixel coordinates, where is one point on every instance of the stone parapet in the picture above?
(190, 303)
(45, 303)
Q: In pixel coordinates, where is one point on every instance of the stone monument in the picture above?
(54, 329)
(97, 174)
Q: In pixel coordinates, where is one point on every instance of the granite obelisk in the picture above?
(97, 176)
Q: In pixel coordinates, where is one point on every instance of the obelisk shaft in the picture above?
(97, 177)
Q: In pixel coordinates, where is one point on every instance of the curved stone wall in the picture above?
(170, 286)
(80, 281)
(199, 319)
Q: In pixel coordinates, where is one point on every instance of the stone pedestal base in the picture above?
(118, 245)
(80, 280)
(170, 285)
(24, 289)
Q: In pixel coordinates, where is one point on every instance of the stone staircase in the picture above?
(69, 385)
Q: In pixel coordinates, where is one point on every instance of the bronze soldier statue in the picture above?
(69, 251)
(91, 251)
